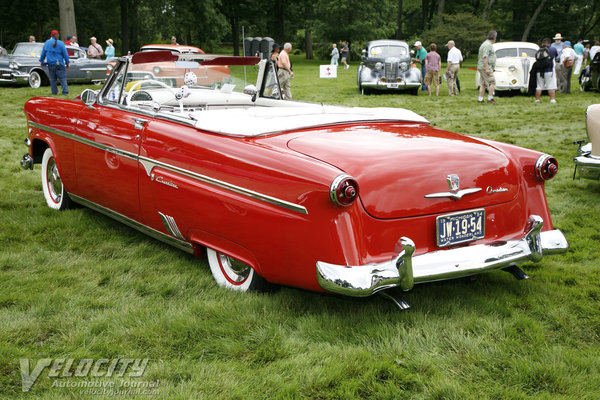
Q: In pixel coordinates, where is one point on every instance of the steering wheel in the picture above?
(139, 83)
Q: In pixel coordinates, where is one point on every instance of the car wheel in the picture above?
(54, 190)
(35, 79)
(234, 274)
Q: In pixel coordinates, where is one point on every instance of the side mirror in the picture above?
(88, 97)
(250, 89)
(364, 54)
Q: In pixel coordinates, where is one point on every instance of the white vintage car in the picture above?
(587, 163)
(513, 64)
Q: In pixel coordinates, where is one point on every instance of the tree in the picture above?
(67, 18)
(532, 20)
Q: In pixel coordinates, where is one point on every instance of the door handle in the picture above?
(139, 123)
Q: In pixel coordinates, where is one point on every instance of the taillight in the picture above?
(546, 167)
(343, 190)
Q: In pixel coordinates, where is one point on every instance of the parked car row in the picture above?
(333, 199)
(22, 66)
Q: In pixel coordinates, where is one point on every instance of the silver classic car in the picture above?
(23, 66)
(386, 65)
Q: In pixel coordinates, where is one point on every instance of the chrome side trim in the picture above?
(149, 165)
(88, 142)
(180, 244)
(453, 195)
(170, 225)
(404, 270)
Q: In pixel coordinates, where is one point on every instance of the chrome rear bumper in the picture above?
(587, 165)
(404, 270)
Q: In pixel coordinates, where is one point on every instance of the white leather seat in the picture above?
(593, 128)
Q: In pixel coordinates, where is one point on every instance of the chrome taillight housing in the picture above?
(546, 167)
(343, 190)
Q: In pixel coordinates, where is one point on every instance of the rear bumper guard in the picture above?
(404, 270)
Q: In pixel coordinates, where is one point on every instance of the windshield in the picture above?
(28, 49)
(516, 52)
(167, 82)
(388, 51)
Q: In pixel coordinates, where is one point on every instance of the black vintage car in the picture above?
(589, 78)
(23, 66)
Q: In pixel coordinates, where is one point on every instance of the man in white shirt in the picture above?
(454, 59)
(567, 59)
(594, 50)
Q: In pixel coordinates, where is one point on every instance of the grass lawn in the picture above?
(78, 285)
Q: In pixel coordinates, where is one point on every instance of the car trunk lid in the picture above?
(399, 166)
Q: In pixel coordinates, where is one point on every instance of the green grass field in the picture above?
(78, 285)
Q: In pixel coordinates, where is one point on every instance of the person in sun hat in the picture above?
(54, 55)
(110, 49)
(558, 40)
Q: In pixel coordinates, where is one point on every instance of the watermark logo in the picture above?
(88, 369)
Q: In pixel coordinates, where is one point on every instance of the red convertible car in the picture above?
(353, 201)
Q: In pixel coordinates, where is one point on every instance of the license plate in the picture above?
(393, 85)
(460, 227)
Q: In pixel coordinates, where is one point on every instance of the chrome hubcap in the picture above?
(54, 181)
(34, 80)
(236, 271)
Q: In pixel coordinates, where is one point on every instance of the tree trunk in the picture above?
(124, 28)
(532, 20)
(487, 8)
(440, 16)
(399, 21)
(235, 35)
(423, 15)
(67, 18)
(308, 43)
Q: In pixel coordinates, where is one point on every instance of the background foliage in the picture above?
(209, 23)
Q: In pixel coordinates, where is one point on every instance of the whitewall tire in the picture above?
(54, 190)
(234, 274)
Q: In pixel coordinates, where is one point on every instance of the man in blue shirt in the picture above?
(54, 55)
(579, 50)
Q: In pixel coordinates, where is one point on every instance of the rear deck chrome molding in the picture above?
(175, 242)
(149, 164)
(404, 270)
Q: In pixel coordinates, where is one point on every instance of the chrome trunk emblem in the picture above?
(454, 193)
(453, 182)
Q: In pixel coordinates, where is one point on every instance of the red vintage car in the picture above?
(354, 201)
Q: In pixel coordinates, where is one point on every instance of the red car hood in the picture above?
(397, 165)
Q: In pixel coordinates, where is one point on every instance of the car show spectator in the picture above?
(74, 41)
(453, 65)
(335, 55)
(174, 41)
(567, 60)
(110, 49)
(68, 41)
(558, 44)
(594, 49)
(419, 58)
(486, 62)
(275, 52)
(579, 55)
(345, 53)
(285, 73)
(94, 50)
(31, 39)
(433, 65)
(546, 77)
(54, 55)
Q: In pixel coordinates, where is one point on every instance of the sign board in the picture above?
(328, 71)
